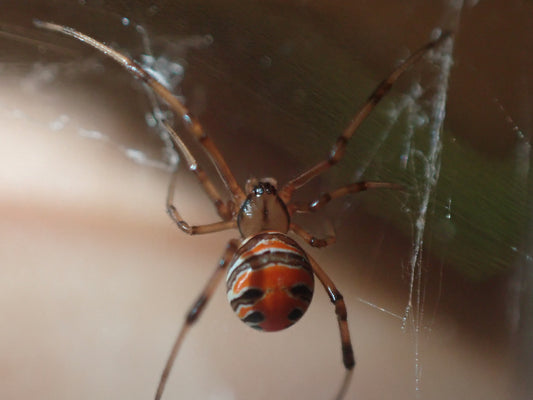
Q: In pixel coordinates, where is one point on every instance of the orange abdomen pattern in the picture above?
(270, 282)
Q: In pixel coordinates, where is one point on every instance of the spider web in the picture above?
(431, 164)
(424, 103)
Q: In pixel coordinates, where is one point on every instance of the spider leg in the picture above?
(325, 198)
(195, 312)
(189, 121)
(225, 211)
(340, 310)
(185, 226)
(339, 148)
(310, 239)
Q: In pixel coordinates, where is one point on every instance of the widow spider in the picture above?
(269, 277)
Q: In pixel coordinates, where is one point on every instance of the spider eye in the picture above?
(264, 188)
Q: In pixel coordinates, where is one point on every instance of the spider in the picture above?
(269, 276)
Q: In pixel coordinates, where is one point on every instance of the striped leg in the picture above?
(340, 310)
(183, 225)
(225, 210)
(195, 312)
(312, 240)
(315, 205)
(338, 149)
(189, 121)
(305, 207)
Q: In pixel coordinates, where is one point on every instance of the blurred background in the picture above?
(95, 278)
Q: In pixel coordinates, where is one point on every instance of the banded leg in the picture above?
(188, 120)
(325, 198)
(342, 318)
(195, 312)
(183, 225)
(225, 210)
(338, 149)
(310, 239)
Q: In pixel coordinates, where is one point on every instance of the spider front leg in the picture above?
(195, 312)
(336, 298)
(190, 123)
(339, 148)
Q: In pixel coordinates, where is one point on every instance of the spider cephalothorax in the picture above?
(263, 210)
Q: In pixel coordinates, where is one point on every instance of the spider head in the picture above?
(263, 210)
(267, 184)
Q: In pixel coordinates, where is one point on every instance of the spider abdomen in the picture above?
(270, 282)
